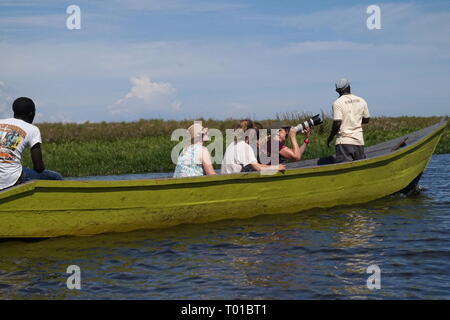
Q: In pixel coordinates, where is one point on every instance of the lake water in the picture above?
(317, 254)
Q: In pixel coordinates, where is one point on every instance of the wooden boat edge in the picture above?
(205, 180)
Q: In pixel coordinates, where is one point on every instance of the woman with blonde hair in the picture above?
(194, 160)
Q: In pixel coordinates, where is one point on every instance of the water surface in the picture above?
(317, 254)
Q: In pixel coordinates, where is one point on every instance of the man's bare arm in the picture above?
(206, 162)
(334, 130)
(36, 157)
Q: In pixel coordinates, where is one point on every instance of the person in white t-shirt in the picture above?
(350, 112)
(240, 156)
(16, 134)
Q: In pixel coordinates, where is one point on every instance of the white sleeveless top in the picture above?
(189, 163)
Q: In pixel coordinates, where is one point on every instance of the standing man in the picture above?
(350, 112)
(16, 134)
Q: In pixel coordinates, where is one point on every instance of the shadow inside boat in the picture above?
(24, 240)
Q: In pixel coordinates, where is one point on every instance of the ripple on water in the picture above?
(317, 254)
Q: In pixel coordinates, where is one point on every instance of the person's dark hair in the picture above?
(258, 126)
(243, 126)
(346, 90)
(23, 106)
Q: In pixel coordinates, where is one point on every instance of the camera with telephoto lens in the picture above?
(314, 121)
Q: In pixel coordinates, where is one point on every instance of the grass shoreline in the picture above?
(87, 149)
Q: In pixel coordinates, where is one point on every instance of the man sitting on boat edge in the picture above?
(16, 134)
(350, 112)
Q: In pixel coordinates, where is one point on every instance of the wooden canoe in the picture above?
(58, 208)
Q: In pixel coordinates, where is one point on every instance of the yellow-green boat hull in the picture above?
(57, 208)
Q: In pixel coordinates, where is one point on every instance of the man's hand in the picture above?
(281, 167)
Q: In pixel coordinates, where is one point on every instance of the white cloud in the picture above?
(184, 6)
(400, 22)
(211, 76)
(149, 5)
(56, 117)
(20, 3)
(50, 20)
(217, 77)
(147, 98)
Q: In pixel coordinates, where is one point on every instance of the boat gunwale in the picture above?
(169, 182)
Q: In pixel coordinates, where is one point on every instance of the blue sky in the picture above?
(177, 59)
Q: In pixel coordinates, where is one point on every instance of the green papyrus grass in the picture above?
(145, 146)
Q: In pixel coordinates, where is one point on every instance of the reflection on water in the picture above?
(313, 254)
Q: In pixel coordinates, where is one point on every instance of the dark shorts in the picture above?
(349, 152)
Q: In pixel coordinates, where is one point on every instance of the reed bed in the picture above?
(144, 146)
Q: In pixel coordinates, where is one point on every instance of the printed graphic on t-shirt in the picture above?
(10, 138)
